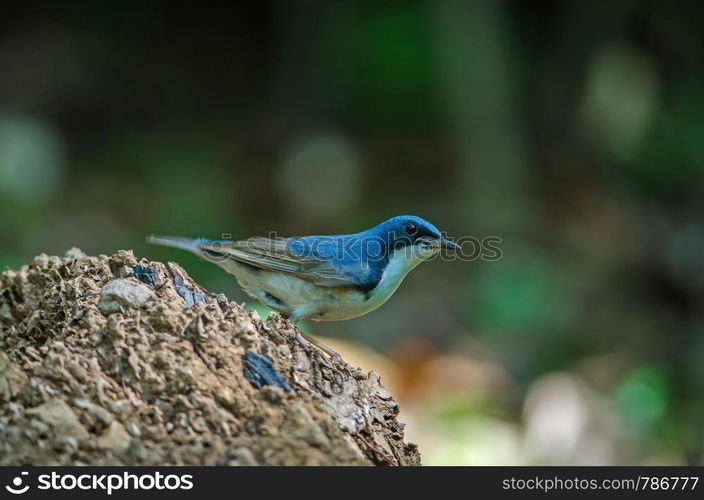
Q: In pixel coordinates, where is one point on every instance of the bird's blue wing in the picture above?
(324, 260)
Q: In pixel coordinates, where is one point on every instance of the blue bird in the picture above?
(323, 278)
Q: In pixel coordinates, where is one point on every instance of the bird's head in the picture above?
(417, 237)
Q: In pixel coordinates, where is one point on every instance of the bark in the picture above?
(109, 361)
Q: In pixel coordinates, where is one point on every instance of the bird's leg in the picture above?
(306, 340)
(310, 340)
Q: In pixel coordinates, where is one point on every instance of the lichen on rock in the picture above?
(107, 360)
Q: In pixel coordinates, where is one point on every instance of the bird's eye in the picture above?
(411, 228)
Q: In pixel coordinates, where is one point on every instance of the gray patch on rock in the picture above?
(60, 417)
(123, 292)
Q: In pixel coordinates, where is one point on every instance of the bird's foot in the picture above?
(308, 341)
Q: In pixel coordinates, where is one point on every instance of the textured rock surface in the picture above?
(99, 365)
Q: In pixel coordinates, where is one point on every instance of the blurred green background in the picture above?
(572, 130)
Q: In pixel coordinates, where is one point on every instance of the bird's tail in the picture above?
(176, 242)
(199, 246)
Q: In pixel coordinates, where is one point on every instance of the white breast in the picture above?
(323, 303)
(401, 263)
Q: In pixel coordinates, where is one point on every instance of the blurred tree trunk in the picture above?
(478, 87)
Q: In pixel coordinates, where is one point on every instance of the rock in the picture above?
(375, 386)
(146, 275)
(12, 378)
(59, 416)
(100, 417)
(123, 292)
(98, 368)
(261, 372)
(74, 253)
(116, 438)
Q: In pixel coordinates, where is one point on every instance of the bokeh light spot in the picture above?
(320, 175)
(32, 159)
(620, 99)
(642, 396)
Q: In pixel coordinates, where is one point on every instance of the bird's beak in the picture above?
(445, 243)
